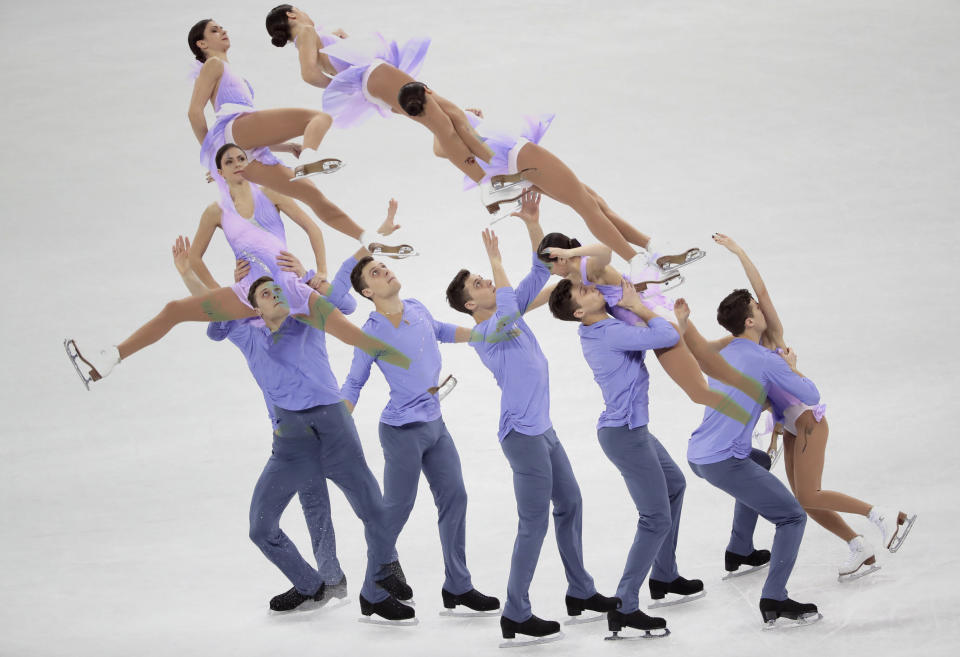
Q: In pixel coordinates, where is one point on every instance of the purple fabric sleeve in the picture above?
(658, 334)
(778, 373)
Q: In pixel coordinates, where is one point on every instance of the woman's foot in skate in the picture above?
(97, 364)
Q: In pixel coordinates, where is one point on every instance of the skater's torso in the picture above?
(416, 335)
(508, 348)
(719, 436)
(257, 237)
(614, 351)
(231, 89)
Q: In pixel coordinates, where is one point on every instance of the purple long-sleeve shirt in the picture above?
(508, 348)
(417, 336)
(614, 351)
(291, 365)
(720, 437)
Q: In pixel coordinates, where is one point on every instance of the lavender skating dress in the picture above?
(234, 98)
(346, 98)
(259, 240)
(786, 408)
(612, 294)
(506, 143)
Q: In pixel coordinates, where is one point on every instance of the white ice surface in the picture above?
(822, 135)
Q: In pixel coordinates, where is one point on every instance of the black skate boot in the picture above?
(688, 590)
(396, 582)
(338, 590)
(596, 602)
(541, 631)
(800, 612)
(652, 627)
(391, 610)
(482, 605)
(293, 598)
(757, 560)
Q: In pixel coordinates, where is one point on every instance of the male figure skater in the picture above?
(541, 470)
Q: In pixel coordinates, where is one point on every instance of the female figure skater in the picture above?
(251, 223)
(805, 442)
(238, 121)
(590, 265)
(363, 77)
(518, 155)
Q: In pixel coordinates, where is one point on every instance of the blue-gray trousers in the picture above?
(656, 484)
(427, 447)
(541, 475)
(758, 490)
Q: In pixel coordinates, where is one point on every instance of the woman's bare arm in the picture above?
(290, 208)
(312, 62)
(203, 88)
(774, 330)
(209, 221)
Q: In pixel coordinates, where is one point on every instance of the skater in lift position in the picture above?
(541, 470)
(614, 349)
(259, 132)
(805, 440)
(285, 474)
(719, 450)
(250, 220)
(413, 434)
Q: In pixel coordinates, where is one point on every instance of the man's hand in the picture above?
(388, 226)
(241, 271)
(289, 262)
(630, 297)
(529, 206)
(181, 254)
(727, 242)
(492, 245)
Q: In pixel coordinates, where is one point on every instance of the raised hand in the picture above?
(727, 242)
(289, 262)
(556, 252)
(529, 206)
(681, 310)
(491, 244)
(388, 226)
(241, 270)
(630, 297)
(789, 355)
(181, 254)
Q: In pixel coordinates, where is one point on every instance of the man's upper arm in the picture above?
(658, 334)
(779, 373)
(359, 373)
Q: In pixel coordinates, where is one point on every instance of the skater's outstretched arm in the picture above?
(209, 221)
(541, 298)
(464, 130)
(599, 256)
(492, 246)
(774, 330)
(530, 215)
(290, 208)
(203, 88)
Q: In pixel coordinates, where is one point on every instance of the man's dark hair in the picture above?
(457, 294)
(356, 276)
(561, 301)
(252, 292)
(733, 311)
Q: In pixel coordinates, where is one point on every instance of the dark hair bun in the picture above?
(278, 41)
(574, 243)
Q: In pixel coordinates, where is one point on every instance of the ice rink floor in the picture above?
(823, 136)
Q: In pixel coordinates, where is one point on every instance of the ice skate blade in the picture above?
(502, 210)
(73, 355)
(647, 634)
(444, 389)
(670, 281)
(580, 620)
(902, 531)
(398, 252)
(453, 613)
(682, 600)
(672, 262)
(775, 455)
(312, 605)
(863, 571)
(531, 641)
(370, 620)
(326, 165)
(784, 623)
(741, 573)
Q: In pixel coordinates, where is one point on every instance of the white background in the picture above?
(821, 135)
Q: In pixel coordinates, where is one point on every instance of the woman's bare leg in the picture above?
(326, 317)
(679, 363)
(277, 178)
(557, 181)
(626, 229)
(217, 306)
(809, 458)
(716, 366)
(269, 127)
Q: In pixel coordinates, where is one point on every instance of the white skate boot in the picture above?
(893, 527)
(98, 365)
(314, 165)
(503, 190)
(860, 562)
(668, 258)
